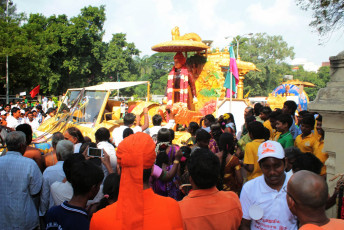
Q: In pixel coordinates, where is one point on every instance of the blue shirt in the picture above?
(50, 175)
(20, 179)
(66, 216)
(294, 129)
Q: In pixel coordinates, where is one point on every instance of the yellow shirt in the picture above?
(307, 144)
(322, 156)
(251, 158)
(267, 125)
(274, 135)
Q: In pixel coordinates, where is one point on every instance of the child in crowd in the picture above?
(110, 191)
(86, 180)
(250, 163)
(307, 161)
(215, 133)
(290, 154)
(256, 109)
(289, 107)
(202, 140)
(208, 119)
(265, 113)
(229, 121)
(271, 124)
(244, 139)
(319, 153)
(192, 128)
(283, 124)
(185, 185)
(307, 141)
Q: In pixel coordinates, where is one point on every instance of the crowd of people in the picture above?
(22, 112)
(268, 174)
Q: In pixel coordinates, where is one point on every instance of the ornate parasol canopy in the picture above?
(299, 83)
(186, 43)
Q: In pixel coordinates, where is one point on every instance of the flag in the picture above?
(232, 73)
(246, 95)
(35, 91)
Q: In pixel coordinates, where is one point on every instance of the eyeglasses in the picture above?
(285, 190)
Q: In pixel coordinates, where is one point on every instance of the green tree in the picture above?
(328, 15)
(155, 69)
(54, 52)
(11, 9)
(269, 54)
(82, 42)
(12, 42)
(319, 79)
(119, 59)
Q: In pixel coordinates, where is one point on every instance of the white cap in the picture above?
(22, 111)
(3, 113)
(270, 149)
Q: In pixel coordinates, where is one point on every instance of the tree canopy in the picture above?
(328, 15)
(269, 54)
(60, 53)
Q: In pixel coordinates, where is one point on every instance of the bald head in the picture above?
(308, 189)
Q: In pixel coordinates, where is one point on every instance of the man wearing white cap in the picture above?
(263, 199)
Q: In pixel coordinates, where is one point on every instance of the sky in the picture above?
(149, 22)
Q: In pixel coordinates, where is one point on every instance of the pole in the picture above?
(148, 93)
(118, 89)
(7, 81)
(231, 93)
(237, 47)
(7, 87)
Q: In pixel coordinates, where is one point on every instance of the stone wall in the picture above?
(330, 104)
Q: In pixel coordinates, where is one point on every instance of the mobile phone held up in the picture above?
(95, 152)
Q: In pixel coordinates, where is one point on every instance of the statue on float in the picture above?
(180, 84)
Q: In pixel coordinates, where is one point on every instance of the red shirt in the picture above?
(211, 209)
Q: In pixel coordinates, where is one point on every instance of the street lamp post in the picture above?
(237, 41)
(8, 2)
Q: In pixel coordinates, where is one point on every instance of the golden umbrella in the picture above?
(297, 82)
(186, 43)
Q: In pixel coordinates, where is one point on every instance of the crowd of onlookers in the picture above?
(143, 180)
(23, 112)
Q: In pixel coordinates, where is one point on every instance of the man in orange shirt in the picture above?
(307, 195)
(206, 207)
(137, 206)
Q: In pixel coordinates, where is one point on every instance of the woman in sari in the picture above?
(230, 175)
(166, 153)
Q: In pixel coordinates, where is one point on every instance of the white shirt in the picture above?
(155, 129)
(77, 147)
(12, 122)
(117, 133)
(50, 175)
(207, 129)
(61, 192)
(51, 104)
(110, 150)
(34, 124)
(274, 204)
